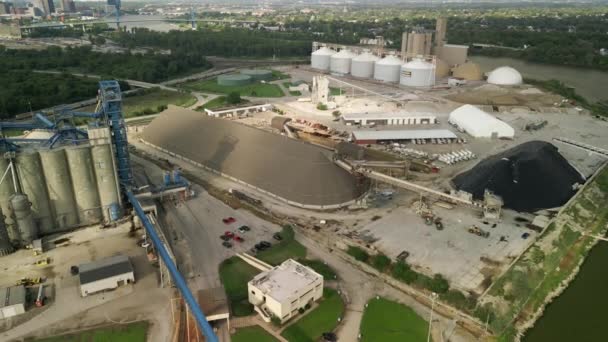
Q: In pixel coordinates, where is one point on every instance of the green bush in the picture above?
(380, 262)
(402, 271)
(322, 106)
(233, 97)
(459, 300)
(358, 253)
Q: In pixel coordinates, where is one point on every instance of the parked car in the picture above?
(227, 244)
(238, 238)
(225, 237)
(525, 235)
(266, 244)
(329, 337)
(243, 229)
(229, 220)
(277, 237)
(74, 270)
(229, 234)
(260, 246)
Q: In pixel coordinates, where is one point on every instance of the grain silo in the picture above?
(417, 73)
(105, 177)
(31, 179)
(442, 69)
(320, 59)
(363, 65)
(84, 184)
(339, 63)
(28, 230)
(7, 189)
(59, 186)
(388, 69)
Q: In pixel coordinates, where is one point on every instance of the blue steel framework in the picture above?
(111, 100)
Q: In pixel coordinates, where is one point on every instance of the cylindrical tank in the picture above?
(7, 189)
(84, 184)
(177, 176)
(106, 178)
(114, 212)
(33, 184)
(417, 73)
(258, 74)
(5, 243)
(59, 187)
(442, 69)
(167, 178)
(22, 209)
(339, 63)
(388, 69)
(320, 59)
(363, 65)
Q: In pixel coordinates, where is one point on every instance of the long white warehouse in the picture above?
(388, 119)
(480, 124)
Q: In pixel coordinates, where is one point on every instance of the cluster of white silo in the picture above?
(456, 157)
(391, 69)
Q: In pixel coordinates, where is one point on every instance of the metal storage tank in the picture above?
(88, 204)
(233, 80)
(28, 231)
(105, 177)
(388, 69)
(363, 65)
(417, 73)
(339, 63)
(5, 243)
(320, 59)
(31, 178)
(7, 189)
(59, 187)
(258, 74)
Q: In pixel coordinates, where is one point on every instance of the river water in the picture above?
(152, 22)
(591, 84)
(578, 314)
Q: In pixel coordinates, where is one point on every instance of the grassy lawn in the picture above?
(250, 334)
(336, 91)
(327, 272)
(254, 89)
(278, 75)
(286, 249)
(234, 274)
(388, 321)
(151, 101)
(135, 332)
(324, 318)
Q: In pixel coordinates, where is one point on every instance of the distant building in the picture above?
(284, 289)
(105, 274)
(388, 119)
(49, 7)
(4, 8)
(12, 301)
(391, 136)
(68, 6)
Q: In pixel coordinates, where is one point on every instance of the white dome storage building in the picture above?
(339, 63)
(363, 65)
(388, 69)
(505, 76)
(320, 59)
(480, 124)
(417, 73)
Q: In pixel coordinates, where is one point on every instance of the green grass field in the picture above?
(254, 89)
(135, 332)
(324, 318)
(281, 251)
(388, 321)
(252, 334)
(327, 272)
(234, 274)
(151, 101)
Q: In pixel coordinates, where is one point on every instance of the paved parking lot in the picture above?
(463, 258)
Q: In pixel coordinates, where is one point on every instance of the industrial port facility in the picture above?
(414, 155)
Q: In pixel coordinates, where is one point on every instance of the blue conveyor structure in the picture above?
(179, 280)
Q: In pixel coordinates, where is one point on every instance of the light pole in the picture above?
(433, 297)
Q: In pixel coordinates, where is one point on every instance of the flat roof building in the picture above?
(12, 301)
(105, 274)
(389, 119)
(284, 289)
(375, 137)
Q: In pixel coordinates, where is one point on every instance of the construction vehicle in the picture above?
(42, 262)
(29, 281)
(479, 232)
(428, 218)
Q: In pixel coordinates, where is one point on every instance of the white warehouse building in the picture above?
(105, 274)
(480, 124)
(388, 119)
(12, 301)
(284, 289)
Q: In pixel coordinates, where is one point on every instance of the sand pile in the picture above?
(529, 177)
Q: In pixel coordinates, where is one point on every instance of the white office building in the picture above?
(106, 274)
(284, 289)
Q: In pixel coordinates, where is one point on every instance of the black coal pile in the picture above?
(528, 177)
